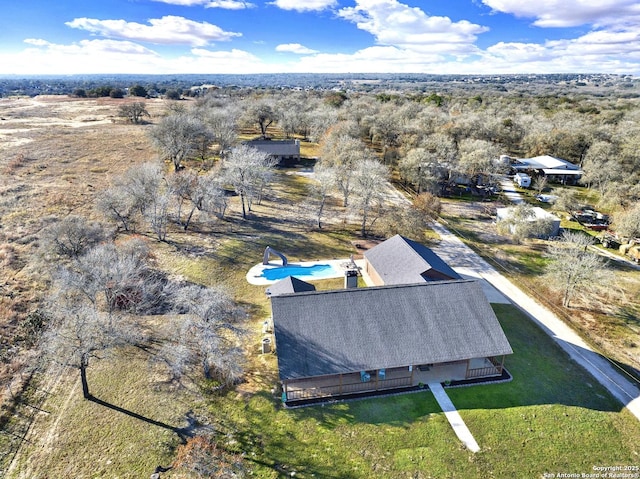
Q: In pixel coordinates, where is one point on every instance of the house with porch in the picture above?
(342, 342)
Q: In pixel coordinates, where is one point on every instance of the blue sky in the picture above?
(337, 36)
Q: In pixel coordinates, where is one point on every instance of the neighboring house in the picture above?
(340, 342)
(556, 169)
(400, 260)
(505, 214)
(286, 152)
(424, 324)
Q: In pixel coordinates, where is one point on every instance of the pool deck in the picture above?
(254, 275)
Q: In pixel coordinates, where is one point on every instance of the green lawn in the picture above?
(552, 417)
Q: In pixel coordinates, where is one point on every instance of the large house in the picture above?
(430, 326)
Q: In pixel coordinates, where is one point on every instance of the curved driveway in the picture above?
(455, 252)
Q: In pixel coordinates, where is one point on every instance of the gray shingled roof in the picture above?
(400, 260)
(289, 285)
(341, 331)
(277, 148)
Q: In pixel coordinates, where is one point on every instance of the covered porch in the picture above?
(393, 378)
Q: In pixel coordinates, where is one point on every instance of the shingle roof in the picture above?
(340, 331)
(288, 285)
(277, 147)
(400, 260)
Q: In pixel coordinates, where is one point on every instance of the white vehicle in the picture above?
(522, 180)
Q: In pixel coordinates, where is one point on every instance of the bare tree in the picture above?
(627, 222)
(197, 192)
(94, 301)
(72, 236)
(428, 206)
(575, 269)
(476, 158)
(600, 166)
(249, 171)
(210, 333)
(180, 136)
(134, 112)
(521, 223)
(539, 184)
(370, 183)
(420, 168)
(223, 123)
(342, 153)
(566, 200)
(117, 205)
(321, 190)
(141, 191)
(320, 121)
(430, 163)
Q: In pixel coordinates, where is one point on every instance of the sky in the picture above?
(44, 37)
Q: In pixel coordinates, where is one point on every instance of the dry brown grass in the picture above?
(55, 153)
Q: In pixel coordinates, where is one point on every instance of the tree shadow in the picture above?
(183, 433)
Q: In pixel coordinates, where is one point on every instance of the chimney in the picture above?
(351, 278)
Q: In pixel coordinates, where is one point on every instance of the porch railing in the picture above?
(346, 388)
(480, 372)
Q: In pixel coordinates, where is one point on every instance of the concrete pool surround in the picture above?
(304, 270)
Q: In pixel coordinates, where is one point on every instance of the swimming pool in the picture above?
(314, 271)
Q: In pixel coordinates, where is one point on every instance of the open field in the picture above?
(553, 417)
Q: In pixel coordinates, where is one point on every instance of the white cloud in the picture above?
(37, 41)
(225, 4)
(295, 48)
(570, 13)
(86, 56)
(371, 60)
(114, 56)
(305, 5)
(166, 30)
(397, 24)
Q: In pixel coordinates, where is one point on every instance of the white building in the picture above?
(539, 215)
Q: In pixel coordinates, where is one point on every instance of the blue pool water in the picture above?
(316, 271)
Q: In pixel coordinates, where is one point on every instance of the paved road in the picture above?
(455, 252)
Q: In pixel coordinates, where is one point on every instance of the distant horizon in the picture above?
(369, 75)
(208, 37)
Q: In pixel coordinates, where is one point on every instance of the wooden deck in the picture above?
(396, 378)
